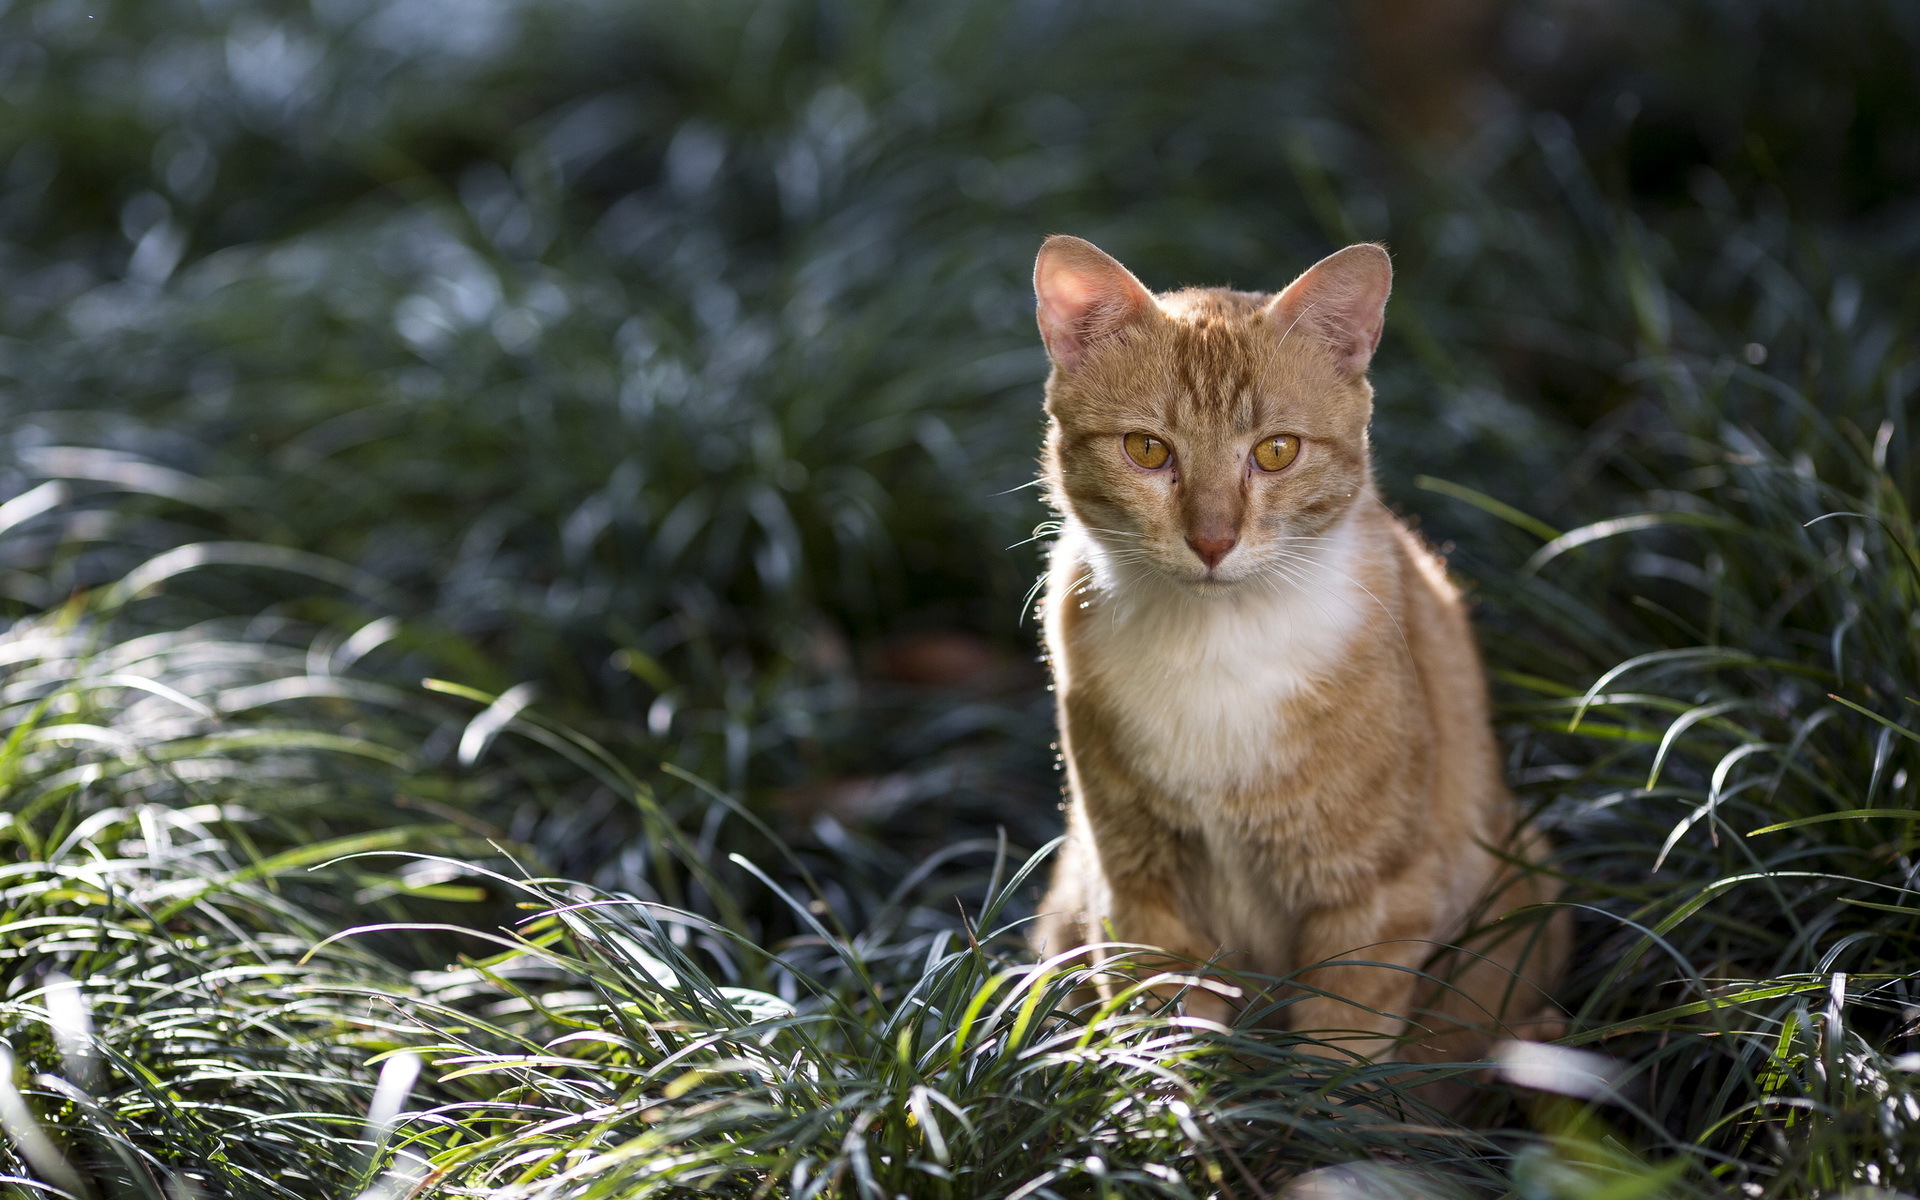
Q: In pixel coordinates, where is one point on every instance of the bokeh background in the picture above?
(666, 372)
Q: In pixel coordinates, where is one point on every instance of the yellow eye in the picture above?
(1276, 452)
(1147, 450)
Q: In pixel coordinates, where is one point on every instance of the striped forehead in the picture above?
(1214, 356)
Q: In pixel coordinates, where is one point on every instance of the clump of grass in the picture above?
(618, 1046)
(1711, 695)
(1743, 807)
(167, 1035)
(164, 1006)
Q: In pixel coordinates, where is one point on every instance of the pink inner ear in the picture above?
(1070, 291)
(1067, 298)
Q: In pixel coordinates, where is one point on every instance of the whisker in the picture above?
(1043, 529)
(1026, 602)
(1369, 591)
(1303, 586)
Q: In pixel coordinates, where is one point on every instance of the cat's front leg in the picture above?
(1359, 1003)
(1083, 907)
(1140, 857)
(1145, 913)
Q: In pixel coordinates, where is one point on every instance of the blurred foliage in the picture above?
(662, 378)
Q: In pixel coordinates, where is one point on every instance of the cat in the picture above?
(1272, 709)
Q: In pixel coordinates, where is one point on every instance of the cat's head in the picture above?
(1205, 435)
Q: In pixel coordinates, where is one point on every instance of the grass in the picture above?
(656, 384)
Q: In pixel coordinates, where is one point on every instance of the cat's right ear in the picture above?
(1084, 295)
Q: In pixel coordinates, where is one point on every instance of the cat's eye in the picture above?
(1276, 452)
(1147, 450)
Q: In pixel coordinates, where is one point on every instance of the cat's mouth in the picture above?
(1215, 580)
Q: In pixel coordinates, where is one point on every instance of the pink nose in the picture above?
(1211, 549)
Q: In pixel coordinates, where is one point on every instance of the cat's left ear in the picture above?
(1341, 301)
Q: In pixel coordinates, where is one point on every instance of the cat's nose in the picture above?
(1211, 548)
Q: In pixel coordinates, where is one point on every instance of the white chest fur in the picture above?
(1196, 683)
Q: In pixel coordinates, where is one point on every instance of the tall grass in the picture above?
(654, 381)
(160, 902)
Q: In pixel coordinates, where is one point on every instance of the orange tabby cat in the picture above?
(1272, 708)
